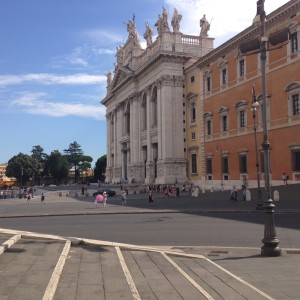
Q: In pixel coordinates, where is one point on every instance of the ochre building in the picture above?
(220, 122)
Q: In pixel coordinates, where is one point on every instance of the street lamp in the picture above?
(270, 240)
(259, 45)
(255, 105)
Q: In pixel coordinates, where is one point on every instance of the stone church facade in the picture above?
(145, 103)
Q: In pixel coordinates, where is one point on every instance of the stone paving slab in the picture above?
(106, 270)
(26, 267)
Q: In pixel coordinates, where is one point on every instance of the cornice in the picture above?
(276, 16)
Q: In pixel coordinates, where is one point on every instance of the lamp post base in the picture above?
(270, 240)
(270, 251)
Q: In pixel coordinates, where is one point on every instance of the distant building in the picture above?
(4, 180)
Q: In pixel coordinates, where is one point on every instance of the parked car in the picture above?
(109, 192)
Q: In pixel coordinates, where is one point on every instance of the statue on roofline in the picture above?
(148, 35)
(205, 26)
(176, 19)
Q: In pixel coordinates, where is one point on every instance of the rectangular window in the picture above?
(208, 127)
(224, 76)
(194, 163)
(294, 42)
(224, 123)
(242, 118)
(243, 163)
(296, 159)
(192, 79)
(225, 166)
(296, 106)
(193, 135)
(209, 166)
(242, 68)
(208, 84)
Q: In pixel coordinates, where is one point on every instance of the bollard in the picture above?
(248, 195)
(87, 194)
(60, 194)
(203, 190)
(211, 189)
(67, 194)
(276, 195)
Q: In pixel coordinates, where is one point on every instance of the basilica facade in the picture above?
(146, 105)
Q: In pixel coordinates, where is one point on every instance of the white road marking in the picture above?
(189, 278)
(128, 276)
(7, 244)
(52, 285)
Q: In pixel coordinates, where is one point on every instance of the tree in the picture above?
(22, 167)
(76, 158)
(100, 167)
(58, 166)
(40, 157)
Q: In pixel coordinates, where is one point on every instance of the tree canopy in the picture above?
(58, 166)
(22, 167)
(100, 167)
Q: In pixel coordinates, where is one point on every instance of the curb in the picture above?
(205, 211)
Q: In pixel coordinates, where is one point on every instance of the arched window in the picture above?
(144, 113)
(193, 112)
(154, 107)
(112, 130)
(127, 118)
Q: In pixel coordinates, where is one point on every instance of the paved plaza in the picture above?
(39, 266)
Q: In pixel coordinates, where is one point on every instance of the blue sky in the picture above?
(54, 55)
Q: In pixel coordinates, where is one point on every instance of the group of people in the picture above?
(234, 193)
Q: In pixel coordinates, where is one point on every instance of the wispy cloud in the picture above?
(101, 37)
(37, 104)
(82, 57)
(51, 79)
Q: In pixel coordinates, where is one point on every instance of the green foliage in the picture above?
(58, 166)
(76, 158)
(21, 165)
(40, 164)
(100, 167)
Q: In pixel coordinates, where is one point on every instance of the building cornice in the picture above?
(277, 16)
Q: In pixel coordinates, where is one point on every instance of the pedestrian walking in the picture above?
(233, 194)
(285, 178)
(124, 196)
(28, 198)
(244, 192)
(104, 199)
(150, 195)
(177, 191)
(42, 198)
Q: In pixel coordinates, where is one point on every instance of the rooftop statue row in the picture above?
(162, 25)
